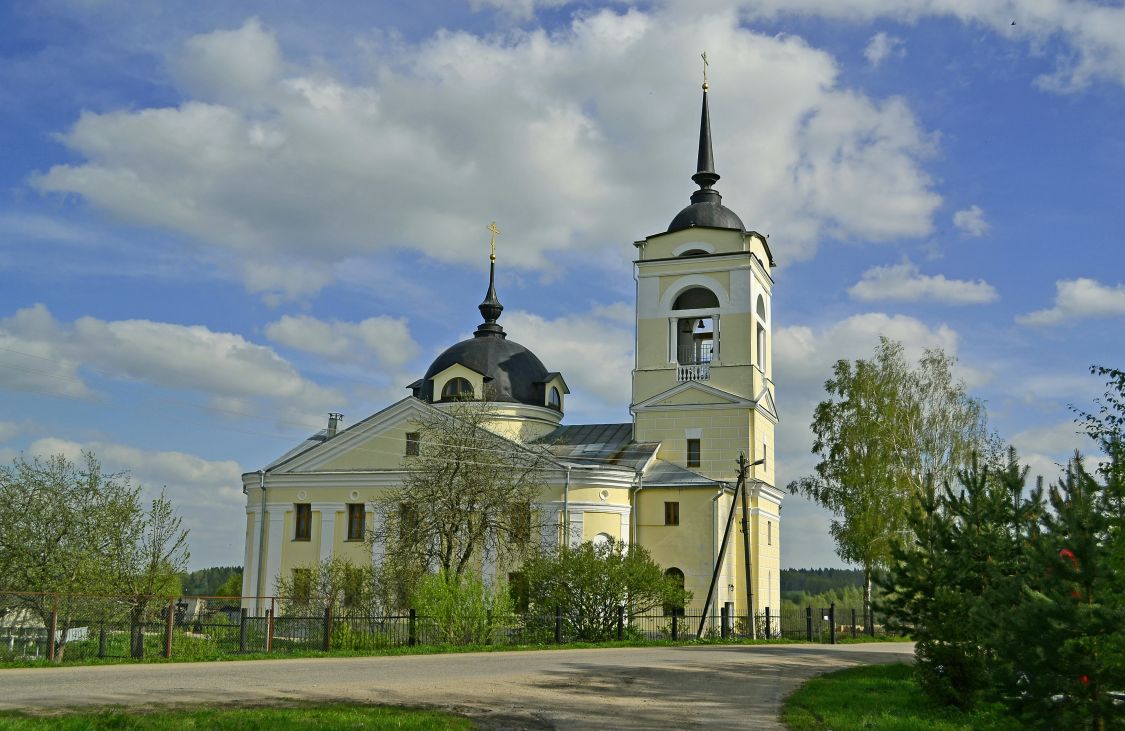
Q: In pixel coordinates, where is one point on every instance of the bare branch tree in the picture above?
(468, 497)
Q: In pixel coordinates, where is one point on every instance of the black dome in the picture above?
(511, 372)
(707, 213)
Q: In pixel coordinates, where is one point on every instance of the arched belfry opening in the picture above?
(760, 326)
(695, 338)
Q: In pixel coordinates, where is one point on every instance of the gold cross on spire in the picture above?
(706, 63)
(495, 232)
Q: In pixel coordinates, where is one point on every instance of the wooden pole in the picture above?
(741, 485)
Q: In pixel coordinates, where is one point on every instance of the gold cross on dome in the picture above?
(706, 63)
(495, 232)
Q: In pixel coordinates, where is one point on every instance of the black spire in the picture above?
(705, 175)
(491, 308)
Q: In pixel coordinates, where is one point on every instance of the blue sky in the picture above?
(220, 221)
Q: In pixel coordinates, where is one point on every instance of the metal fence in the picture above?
(74, 627)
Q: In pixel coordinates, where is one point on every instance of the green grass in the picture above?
(880, 698)
(304, 717)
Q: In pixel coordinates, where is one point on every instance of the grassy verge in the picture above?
(880, 698)
(304, 717)
(389, 651)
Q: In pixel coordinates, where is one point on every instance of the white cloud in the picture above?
(8, 430)
(882, 46)
(386, 338)
(970, 221)
(1076, 299)
(163, 354)
(276, 162)
(903, 282)
(1058, 440)
(1090, 31)
(593, 351)
(230, 65)
(206, 493)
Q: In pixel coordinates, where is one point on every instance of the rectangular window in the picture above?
(769, 532)
(302, 528)
(302, 584)
(407, 522)
(520, 523)
(353, 586)
(693, 452)
(356, 521)
(519, 590)
(671, 513)
(413, 443)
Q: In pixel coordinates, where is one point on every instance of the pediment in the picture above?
(691, 393)
(377, 442)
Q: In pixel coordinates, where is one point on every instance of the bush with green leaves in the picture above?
(460, 609)
(590, 582)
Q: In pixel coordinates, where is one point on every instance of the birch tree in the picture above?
(883, 429)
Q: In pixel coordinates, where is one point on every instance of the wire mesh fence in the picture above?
(77, 627)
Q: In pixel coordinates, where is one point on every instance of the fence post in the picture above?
(412, 638)
(853, 624)
(724, 614)
(808, 623)
(769, 635)
(269, 628)
(620, 622)
(832, 622)
(675, 625)
(558, 625)
(168, 627)
(53, 629)
(326, 639)
(243, 629)
(101, 639)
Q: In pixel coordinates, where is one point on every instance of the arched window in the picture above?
(761, 307)
(675, 575)
(602, 539)
(457, 389)
(554, 398)
(696, 298)
(761, 331)
(694, 252)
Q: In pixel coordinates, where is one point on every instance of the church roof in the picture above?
(612, 445)
(706, 209)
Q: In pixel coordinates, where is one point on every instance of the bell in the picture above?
(700, 326)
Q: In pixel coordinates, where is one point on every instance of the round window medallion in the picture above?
(355, 494)
(604, 495)
(302, 495)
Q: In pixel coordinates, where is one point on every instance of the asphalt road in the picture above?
(631, 688)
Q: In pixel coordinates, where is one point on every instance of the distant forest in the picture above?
(819, 581)
(207, 582)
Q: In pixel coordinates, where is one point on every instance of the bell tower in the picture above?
(703, 376)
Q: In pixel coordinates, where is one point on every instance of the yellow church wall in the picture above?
(617, 495)
(521, 422)
(671, 277)
(296, 553)
(594, 523)
(687, 546)
(355, 551)
(664, 245)
(725, 433)
(382, 451)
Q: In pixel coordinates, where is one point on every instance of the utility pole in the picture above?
(741, 485)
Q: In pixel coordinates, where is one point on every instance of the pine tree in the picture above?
(1071, 613)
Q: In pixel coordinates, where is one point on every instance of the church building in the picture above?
(702, 394)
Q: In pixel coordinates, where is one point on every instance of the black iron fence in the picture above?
(71, 627)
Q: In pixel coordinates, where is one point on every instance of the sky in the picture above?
(221, 221)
